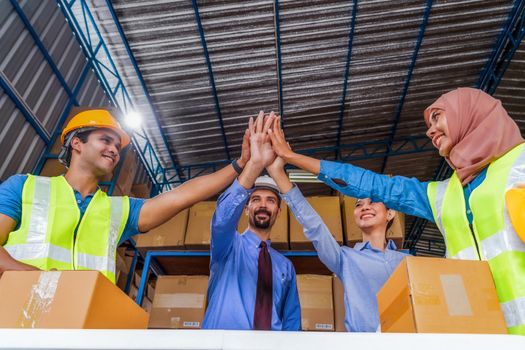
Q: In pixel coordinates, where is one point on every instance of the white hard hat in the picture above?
(265, 182)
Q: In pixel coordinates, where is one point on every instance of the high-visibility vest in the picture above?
(492, 237)
(46, 237)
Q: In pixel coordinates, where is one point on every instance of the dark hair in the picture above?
(390, 223)
(83, 137)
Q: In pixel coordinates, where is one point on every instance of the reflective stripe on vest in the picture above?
(33, 251)
(50, 217)
(493, 232)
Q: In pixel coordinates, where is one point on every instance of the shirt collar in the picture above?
(254, 239)
(366, 245)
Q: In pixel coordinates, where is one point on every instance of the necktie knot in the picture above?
(263, 245)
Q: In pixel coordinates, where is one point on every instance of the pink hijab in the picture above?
(480, 129)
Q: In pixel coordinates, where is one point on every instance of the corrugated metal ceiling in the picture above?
(242, 42)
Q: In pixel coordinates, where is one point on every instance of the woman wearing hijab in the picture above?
(478, 139)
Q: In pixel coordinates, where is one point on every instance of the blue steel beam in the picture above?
(42, 48)
(277, 20)
(346, 75)
(98, 54)
(141, 79)
(507, 44)
(211, 77)
(19, 102)
(399, 108)
(509, 40)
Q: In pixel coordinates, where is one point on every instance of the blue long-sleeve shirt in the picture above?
(234, 268)
(407, 195)
(363, 269)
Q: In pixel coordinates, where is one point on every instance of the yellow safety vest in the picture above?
(492, 237)
(46, 237)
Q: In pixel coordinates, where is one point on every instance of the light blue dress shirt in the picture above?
(363, 269)
(234, 268)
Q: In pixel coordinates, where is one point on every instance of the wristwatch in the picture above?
(236, 167)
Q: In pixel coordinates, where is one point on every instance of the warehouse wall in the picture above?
(45, 94)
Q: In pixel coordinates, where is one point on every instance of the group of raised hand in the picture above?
(264, 147)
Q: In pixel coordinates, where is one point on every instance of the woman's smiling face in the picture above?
(438, 132)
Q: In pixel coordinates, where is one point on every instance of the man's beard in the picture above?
(262, 224)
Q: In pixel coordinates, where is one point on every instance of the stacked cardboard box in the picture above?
(328, 209)
(199, 225)
(65, 299)
(123, 267)
(169, 235)
(179, 302)
(279, 232)
(315, 296)
(339, 304)
(127, 174)
(431, 295)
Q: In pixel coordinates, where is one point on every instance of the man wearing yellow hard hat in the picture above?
(68, 223)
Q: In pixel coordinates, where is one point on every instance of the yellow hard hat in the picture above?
(95, 118)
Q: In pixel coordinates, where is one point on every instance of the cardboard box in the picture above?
(141, 190)
(133, 292)
(147, 304)
(52, 167)
(199, 225)
(169, 235)
(353, 233)
(126, 175)
(66, 299)
(315, 296)
(432, 295)
(150, 291)
(328, 208)
(279, 232)
(179, 302)
(339, 304)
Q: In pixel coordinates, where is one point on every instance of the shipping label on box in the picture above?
(315, 296)
(432, 295)
(279, 232)
(328, 209)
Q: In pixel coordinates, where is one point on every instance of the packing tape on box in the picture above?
(179, 300)
(159, 240)
(456, 296)
(40, 298)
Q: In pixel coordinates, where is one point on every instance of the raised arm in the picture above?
(231, 203)
(407, 195)
(314, 228)
(163, 207)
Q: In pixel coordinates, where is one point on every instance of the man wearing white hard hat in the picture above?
(251, 286)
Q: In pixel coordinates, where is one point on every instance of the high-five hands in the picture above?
(261, 152)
